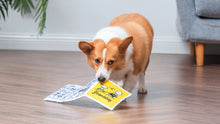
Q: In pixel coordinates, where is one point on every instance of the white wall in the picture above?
(69, 21)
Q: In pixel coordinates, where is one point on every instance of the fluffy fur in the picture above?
(121, 51)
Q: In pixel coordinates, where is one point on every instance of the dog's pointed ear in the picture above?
(125, 43)
(86, 47)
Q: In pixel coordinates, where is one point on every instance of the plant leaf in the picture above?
(5, 5)
(41, 14)
(22, 6)
(25, 7)
(3, 9)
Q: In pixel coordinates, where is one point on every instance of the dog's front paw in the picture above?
(142, 90)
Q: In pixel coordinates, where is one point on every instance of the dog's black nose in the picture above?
(101, 79)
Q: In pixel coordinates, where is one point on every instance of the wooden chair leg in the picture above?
(192, 48)
(200, 48)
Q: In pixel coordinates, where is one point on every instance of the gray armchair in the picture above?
(199, 23)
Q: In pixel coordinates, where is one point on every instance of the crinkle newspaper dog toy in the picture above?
(105, 93)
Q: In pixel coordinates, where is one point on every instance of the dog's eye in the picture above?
(97, 61)
(110, 62)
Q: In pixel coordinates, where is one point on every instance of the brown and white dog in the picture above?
(121, 51)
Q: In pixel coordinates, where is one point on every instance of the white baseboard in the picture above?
(171, 45)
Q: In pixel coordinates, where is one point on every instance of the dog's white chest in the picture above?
(120, 74)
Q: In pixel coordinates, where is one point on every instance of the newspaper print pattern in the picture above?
(69, 92)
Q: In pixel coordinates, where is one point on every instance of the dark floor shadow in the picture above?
(123, 106)
(212, 60)
(141, 96)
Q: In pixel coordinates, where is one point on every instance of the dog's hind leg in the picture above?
(142, 86)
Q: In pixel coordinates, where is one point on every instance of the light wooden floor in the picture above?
(178, 91)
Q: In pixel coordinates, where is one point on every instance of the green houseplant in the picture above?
(24, 7)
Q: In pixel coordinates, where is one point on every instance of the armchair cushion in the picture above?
(208, 8)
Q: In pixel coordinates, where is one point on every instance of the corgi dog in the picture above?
(121, 51)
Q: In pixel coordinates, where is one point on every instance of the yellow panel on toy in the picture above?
(107, 94)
